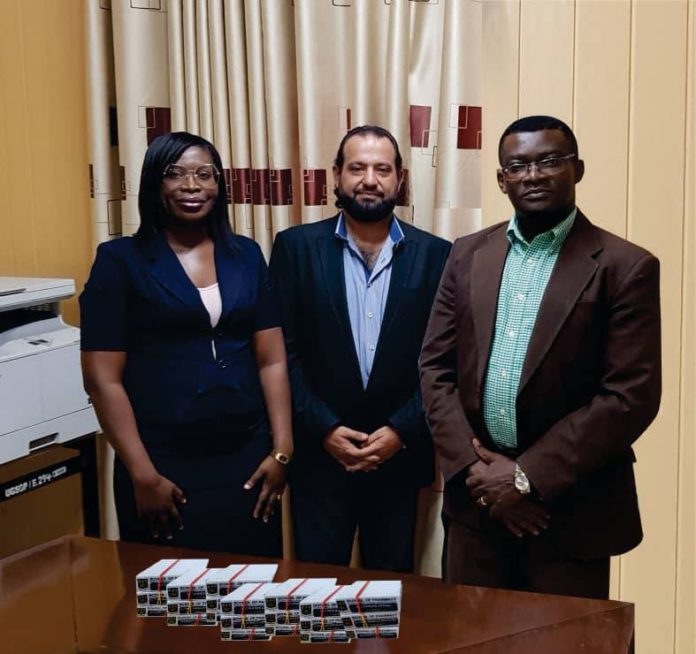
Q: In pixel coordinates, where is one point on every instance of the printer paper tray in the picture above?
(16, 444)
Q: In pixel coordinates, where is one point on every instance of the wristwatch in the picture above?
(521, 482)
(280, 457)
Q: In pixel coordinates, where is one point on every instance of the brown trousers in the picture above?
(488, 555)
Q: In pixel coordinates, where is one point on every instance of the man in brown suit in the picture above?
(540, 367)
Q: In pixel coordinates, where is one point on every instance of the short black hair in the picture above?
(165, 150)
(537, 124)
(362, 130)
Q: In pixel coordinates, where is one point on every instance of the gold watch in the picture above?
(280, 457)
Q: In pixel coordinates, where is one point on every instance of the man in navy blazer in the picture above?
(355, 293)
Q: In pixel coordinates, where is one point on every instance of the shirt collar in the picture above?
(396, 234)
(552, 239)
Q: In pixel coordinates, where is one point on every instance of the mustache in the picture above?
(376, 193)
(368, 212)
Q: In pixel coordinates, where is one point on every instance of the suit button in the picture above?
(222, 363)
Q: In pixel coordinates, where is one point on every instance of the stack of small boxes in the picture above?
(370, 609)
(228, 579)
(248, 606)
(243, 613)
(186, 599)
(283, 603)
(151, 584)
(320, 619)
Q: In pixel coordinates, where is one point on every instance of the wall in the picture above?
(44, 213)
(621, 73)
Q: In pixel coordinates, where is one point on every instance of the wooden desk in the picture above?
(78, 595)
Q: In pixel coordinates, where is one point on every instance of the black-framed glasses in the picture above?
(546, 166)
(206, 175)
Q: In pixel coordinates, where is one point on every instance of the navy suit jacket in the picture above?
(306, 270)
(138, 299)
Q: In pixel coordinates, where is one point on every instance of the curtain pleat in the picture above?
(258, 139)
(275, 84)
(218, 81)
(177, 85)
(205, 105)
(142, 93)
(188, 46)
(458, 162)
(281, 111)
(240, 174)
(105, 184)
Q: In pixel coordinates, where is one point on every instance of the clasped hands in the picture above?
(357, 451)
(492, 478)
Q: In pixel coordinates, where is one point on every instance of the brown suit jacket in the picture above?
(590, 384)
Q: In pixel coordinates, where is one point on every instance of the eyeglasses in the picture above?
(548, 166)
(206, 175)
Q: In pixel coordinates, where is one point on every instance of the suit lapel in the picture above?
(330, 252)
(170, 275)
(486, 274)
(402, 262)
(231, 276)
(574, 269)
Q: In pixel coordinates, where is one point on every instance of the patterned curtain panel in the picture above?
(275, 84)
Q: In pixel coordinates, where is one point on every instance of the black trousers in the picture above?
(324, 524)
(210, 463)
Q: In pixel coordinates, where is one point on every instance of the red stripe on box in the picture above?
(419, 119)
(164, 572)
(323, 605)
(244, 601)
(190, 589)
(357, 601)
(469, 128)
(287, 600)
(235, 575)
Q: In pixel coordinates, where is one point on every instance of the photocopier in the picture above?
(42, 401)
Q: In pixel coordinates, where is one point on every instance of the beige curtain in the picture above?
(275, 84)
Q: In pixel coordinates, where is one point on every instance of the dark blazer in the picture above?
(590, 383)
(138, 299)
(306, 269)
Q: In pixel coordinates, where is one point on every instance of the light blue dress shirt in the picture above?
(366, 292)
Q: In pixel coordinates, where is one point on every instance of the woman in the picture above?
(184, 361)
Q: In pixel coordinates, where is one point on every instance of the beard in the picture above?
(365, 212)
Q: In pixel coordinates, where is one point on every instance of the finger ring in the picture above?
(481, 501)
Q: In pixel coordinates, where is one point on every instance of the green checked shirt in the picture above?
(527, 271)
